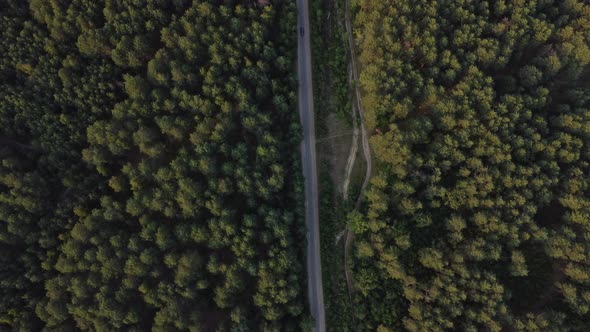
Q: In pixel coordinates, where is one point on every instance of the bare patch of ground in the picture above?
(335, 147)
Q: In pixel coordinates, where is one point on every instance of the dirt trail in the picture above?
(352, 154)
(365, 142)
(359, 105)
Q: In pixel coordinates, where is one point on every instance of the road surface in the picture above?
(308, 156)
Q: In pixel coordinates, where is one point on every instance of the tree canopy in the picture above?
(149, 174)
(479, 215)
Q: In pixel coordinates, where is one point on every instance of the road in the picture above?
(308, 156)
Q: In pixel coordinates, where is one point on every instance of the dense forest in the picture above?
(149, 175)
(478, 217)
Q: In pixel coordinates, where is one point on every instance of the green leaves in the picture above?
(147, 177)
(480, 149)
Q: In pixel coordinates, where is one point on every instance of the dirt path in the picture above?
(359, 105)
(352, 154)
(365, 142)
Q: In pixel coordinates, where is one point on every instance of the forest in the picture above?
(150, 169)
(478, 216)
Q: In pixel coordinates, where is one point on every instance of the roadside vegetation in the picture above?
(333, 120)
(150, 167)
(478, 213)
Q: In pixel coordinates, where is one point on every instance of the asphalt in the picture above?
(308, 156)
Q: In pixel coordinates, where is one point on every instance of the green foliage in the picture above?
(478, 218)
(356, 223)
(149, 174)
(331, 96)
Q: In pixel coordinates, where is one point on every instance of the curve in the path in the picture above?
(352, 153)
(364, 137)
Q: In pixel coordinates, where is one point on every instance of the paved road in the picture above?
(314, 268)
